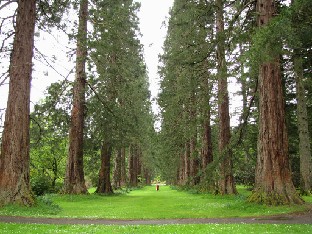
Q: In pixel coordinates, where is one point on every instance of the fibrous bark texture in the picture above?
(303, 129)
(117, 170)
(273, 175)
(226, 181)
(273, 185)
(14, 158)
(104, 184)
(74, 178)
(134, 165)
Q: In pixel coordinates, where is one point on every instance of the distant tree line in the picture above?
(262, 47)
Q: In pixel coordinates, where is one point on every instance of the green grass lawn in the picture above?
(189, 228)
(147, 203)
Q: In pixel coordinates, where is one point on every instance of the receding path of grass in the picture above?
(149, 206)
(147, 203)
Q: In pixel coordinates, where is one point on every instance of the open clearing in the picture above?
(163, 211)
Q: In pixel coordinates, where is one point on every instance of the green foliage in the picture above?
(46, 201)
(50, 13)
(48, 132)
(118, 84)
(44, 206)
(289, 29)
(184, 98)
(40, 185)
(245, 157)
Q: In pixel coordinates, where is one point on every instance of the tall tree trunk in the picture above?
(181, 170)
(104, 184)
(123, 175)
(206, 151)
(207, 154)
(133, 166)
(226, 181)
(187, 156)
(117, 170)
(273, 183)
(147, 176)
(14, 158)
(194, 162)
(74, 178)
(303, 129)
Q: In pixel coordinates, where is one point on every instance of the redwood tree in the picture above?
(273, 183)
(226, 181)
(104, 184)
(14, 159)
(301, 18)
(74, 179)
(303, 129)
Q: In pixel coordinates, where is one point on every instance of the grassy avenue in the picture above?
(146, 204)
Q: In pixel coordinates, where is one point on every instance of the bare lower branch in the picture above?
(52, 67)
(6, 3)
(6, 76)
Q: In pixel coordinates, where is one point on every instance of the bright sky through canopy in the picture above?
(152, 15)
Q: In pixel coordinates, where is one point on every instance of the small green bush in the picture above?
(40, 185)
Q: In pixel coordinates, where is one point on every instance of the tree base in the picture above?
(22, 199)
(77, 189)
(106, 192)
(275, 199)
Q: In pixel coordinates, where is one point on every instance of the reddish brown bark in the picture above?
(181, 170)
(123, 179)
(206, 148)
(147, 176)
(117, 170)
(273, 183)
(273, 175)
(14, 158)
(194, 163)
(74, 178)
(187, 155)
(104, 184)
(207, 153)
(226, 181)
(303, 128)
(134, 166)
(194, 157)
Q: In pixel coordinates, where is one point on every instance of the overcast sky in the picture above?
(152, 15)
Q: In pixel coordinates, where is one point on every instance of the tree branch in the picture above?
(8, 2)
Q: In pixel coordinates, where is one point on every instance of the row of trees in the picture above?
(98, 130)
(261, 45)
(107, 111)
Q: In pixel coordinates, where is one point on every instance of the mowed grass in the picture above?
(189, 228)
(147, 203)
